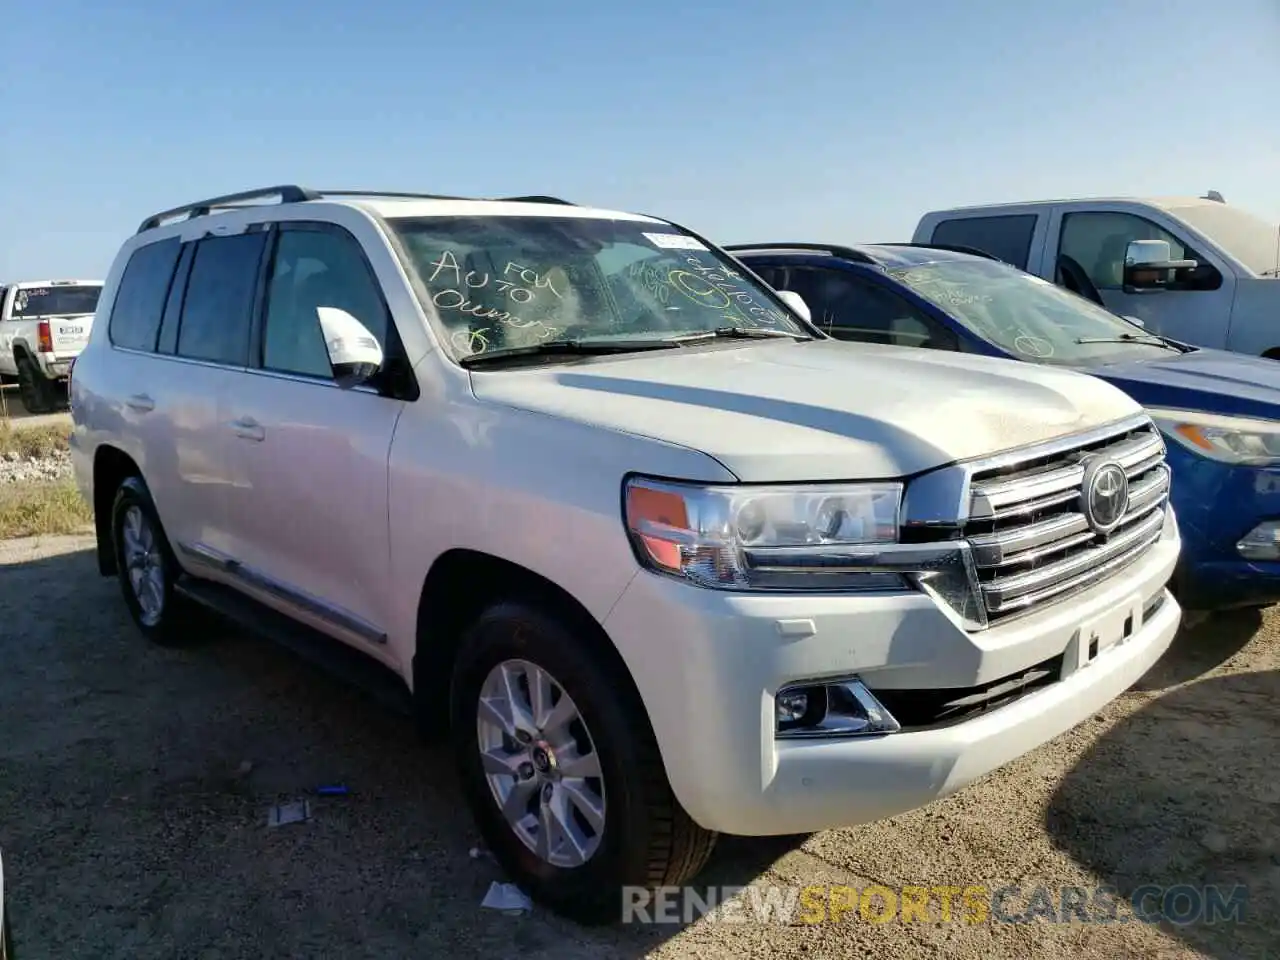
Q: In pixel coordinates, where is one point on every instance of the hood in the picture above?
(817, 410)
(1214, 381)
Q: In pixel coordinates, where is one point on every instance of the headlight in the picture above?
(1237, 440)
(766, 538)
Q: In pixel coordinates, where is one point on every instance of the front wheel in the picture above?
(147, 568)
(561, 767)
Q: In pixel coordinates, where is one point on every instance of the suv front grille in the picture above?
(1028, 528)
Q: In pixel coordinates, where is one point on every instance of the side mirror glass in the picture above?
(354, 352)
(1148, 265)
(796, 303)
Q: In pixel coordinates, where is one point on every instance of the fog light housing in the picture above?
(792, 706)
(832, 708)
(1262, 542)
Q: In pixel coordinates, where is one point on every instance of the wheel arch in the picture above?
(111, 467)
(460, 585)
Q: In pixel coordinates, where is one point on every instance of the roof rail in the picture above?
(291, 193)
(846, 253)
(387, 194)
(288, 193)
(567, 203)
(953, 247)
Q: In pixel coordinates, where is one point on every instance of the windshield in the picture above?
(1251, 240)
(1025, 315)
(31, 302)
(502, 282)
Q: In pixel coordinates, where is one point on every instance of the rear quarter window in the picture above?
(139, 303)
(1006, 237)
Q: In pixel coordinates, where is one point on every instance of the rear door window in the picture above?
(1005, 237)
(218, 308)
(139, 302)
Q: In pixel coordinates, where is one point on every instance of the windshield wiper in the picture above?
(564, 348)
(735, 333)
(1129, 338)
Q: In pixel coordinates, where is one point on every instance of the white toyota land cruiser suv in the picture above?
(664, 559)
(44, 324)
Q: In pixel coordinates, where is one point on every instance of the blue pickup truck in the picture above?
(1219, 412)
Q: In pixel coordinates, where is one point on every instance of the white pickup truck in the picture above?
(44, 324)
(1216, 285)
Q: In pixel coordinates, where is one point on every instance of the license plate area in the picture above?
(1103, 634)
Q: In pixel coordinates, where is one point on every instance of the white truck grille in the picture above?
(1035, 535)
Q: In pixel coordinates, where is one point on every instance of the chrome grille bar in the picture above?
(1030, 538)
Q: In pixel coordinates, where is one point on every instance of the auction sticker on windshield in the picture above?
(675, 241)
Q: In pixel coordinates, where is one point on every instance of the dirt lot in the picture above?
(132, 825)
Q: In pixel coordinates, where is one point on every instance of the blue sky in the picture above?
(828, 119)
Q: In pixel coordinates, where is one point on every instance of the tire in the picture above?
(36, 391)
(644, 838)
(137, 536)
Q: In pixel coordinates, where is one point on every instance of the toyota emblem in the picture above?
(1104, 495)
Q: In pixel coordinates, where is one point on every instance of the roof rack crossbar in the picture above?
(953, 247)
(835, 250)
(288, 193)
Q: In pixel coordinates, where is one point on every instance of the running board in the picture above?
(333, 657)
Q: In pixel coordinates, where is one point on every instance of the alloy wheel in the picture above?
(145, 565)
(541, 763)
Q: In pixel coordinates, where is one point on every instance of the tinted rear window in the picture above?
(139, 303)
(219, 304)
(1008, 238)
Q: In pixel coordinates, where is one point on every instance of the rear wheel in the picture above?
(561, 767)
(147, 569)
(37, 393)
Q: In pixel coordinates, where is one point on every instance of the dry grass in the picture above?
(31, 509)
(33, 441)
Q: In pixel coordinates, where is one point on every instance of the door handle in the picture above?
(247, 428)
(140, 402)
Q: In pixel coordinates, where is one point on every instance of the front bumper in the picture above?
(708, 664)
(1217, 505)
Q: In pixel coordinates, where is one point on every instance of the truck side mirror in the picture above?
(1148, 265)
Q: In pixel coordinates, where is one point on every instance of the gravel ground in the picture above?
(134, 784)
(18, 469)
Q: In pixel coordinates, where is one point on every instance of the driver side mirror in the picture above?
(796, 303)
(354, 352)
(1148, 265)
